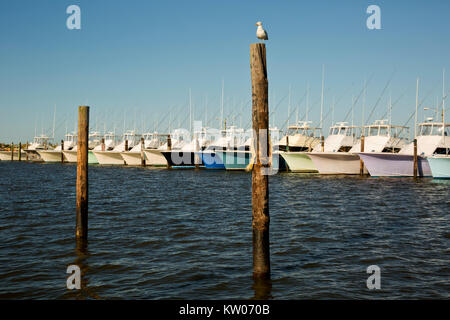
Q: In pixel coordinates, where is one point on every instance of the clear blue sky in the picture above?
(142, 57)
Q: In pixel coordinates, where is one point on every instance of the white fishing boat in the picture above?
(229, 139)
(334, 158)
(114, 157)
(95, 139)
(39, 143)
(380, 137)
(188, 155)
(300, 139)
(433, 139)
(133, 157)
(55, 155)
(154, 156)
(5, 155)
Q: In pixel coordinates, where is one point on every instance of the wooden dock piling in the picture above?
(126, 145)
(82, 173)
(12, 151)
(415, 159)
(20, 151)
(260, 179)
(26, 152)
(62, 149)
(361, 162)
(103, 144)
(322, 143)
(142, 152)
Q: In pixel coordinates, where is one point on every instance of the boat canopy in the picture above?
(382, 128)
(303, 128)
(341, 128)
(433, 129)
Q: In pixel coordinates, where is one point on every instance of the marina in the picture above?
(179, 154)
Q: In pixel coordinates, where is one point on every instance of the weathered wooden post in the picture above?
(169, 148)
(20, 151)
(142, 152)
(62, 149)
(415, 159)
(82, 173)
(197, 159)
(322, 143)
(26, 152)
(12, 151)
(361, 162)
(103, 144)
(287, 150)
(260, 179)
(126, 145)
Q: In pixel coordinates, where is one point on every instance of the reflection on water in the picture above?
(170, 234)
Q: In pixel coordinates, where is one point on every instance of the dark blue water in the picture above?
(159, 234)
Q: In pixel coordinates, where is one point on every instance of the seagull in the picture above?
(260, 32)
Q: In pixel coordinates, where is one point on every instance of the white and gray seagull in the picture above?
(260, 32)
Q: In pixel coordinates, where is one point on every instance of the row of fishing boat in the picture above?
(380, 149)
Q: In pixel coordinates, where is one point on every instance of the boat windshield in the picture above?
(384, 131)
(425, 130)
(373, 131)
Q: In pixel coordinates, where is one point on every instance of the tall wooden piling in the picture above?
(322, 143)
(260, 179)
(126, 145)
(20, 151)
(12, 151)
(62, 149)
(26, 157)
(361, 162)
(169, 148)
(142, 152)
(103, 144)
(287, 150)
(82, 173)
(415, 159)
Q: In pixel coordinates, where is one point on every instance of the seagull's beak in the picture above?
(256, 24)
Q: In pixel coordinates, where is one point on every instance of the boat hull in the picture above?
(71, 157)
(6, 156)
(51, 155)
(336, 162)
(132, 158)
(235, 160)
(440, 166)
(182, 159)
(299, 162)
(212, 161)
(394, 165)
(155, 158)
(109, 157)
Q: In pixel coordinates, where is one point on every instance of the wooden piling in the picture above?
(361, 162)
(196, 156)
(20, 151)
(82, 173)
(62, 149)
(126, 145)
(322, 143)
(12, 151)
(415, 159)
(169, 148)
(260, 180)
(287, 150)
(103, 144)
(26, 157)
(142, 152)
